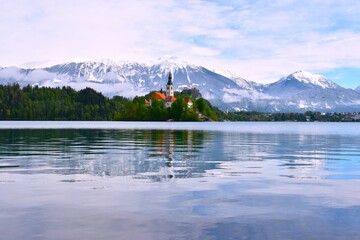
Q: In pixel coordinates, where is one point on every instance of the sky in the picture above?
(260, 41)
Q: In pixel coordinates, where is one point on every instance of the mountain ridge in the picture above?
(298, 92)
(357, 89)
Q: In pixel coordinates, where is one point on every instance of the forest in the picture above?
(67, 104)
(45, 103)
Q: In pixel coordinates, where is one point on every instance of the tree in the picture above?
(204, 108)
(89, 96)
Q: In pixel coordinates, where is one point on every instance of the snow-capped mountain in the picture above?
(130, 79)
(300, 91)
(297, 82)
(357, 89)
(258, 86)
(238, 80)
(311, 92)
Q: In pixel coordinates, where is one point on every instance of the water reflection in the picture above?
(142, 154)
(163, 155)
(121, 183)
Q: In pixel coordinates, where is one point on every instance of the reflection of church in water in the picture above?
(167, 148)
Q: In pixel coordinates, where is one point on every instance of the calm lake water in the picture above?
(116, 180)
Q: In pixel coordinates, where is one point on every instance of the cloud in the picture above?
(235, 95)
(11, 73)
(39, 75)
(46, 79)
(110, 90)
(259, 40)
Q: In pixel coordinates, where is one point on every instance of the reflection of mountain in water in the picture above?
(166, 154)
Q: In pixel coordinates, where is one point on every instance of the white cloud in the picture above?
(259, 40)
(236, 95)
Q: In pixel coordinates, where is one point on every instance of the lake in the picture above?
(171, 180)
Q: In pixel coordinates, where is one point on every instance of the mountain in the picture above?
(300, 91)
(298, 82)
(238, 80)
(357, 89)
(258, 86)
(130, 79)
(305, 91)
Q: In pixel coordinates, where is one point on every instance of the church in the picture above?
(168, 97)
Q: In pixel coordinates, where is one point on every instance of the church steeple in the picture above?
(170, 79)
(170, 86)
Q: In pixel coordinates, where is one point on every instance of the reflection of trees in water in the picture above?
(167, 154)
(138, 153)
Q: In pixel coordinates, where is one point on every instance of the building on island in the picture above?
(147, 102)
(192, 92)
(169, 92)
(188, 102)
(169, 97)
(158, 95)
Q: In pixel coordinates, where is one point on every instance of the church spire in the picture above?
(170, 79)
(170, 86)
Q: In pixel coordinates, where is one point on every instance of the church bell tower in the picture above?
(169, 86)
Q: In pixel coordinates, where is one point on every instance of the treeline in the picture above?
(292, 117)
(45, 103)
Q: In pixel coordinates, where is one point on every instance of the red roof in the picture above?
(187, 100)
(158, 95)
(170, 99)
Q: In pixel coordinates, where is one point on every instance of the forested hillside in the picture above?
(42, 103)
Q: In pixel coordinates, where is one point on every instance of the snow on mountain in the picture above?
(297, 82)
(357, 89)
(313, 79)
(130, 79)
(300, 91)
(238, 80)
(105, 71)
(215, 87)
(258, 86)
(170, 62)
(304, 91)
